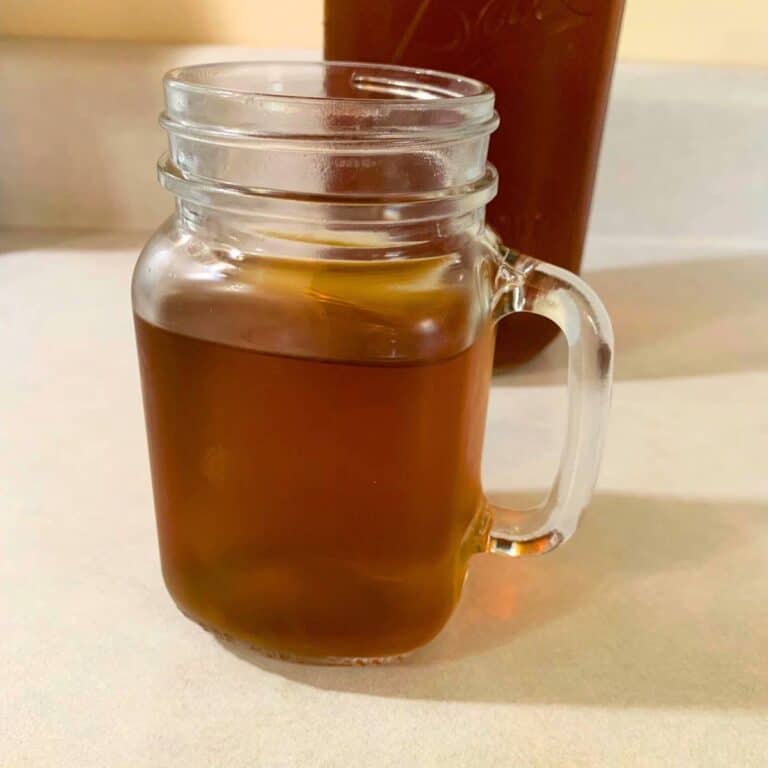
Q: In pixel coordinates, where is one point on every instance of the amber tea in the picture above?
(321, 507)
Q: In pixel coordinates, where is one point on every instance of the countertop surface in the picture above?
(643, 641)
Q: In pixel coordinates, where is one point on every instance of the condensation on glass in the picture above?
(315, 327)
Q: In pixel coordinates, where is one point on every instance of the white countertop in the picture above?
(643, 642)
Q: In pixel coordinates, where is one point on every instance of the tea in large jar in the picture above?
(549, 63)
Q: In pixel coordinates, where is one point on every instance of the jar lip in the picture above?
(327, 100)
(424, 82)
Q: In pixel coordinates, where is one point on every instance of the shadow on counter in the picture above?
(645, 607)
(691, 318)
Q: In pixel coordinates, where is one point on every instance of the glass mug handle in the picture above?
(524, 284)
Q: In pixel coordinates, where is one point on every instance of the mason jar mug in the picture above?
(315, 327)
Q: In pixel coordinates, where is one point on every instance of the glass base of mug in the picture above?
(242, 648)
(244, 644)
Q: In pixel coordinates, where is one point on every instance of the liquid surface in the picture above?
(550, 64)
(314, 508)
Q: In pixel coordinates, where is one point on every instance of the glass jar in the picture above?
(315, 328)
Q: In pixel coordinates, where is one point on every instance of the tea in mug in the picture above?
(315, 507)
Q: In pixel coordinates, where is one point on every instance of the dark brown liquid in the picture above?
(550, 64)
(314, 508)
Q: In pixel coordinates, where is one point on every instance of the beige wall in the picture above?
(267, 23)
(725, 31)
(732, 31)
